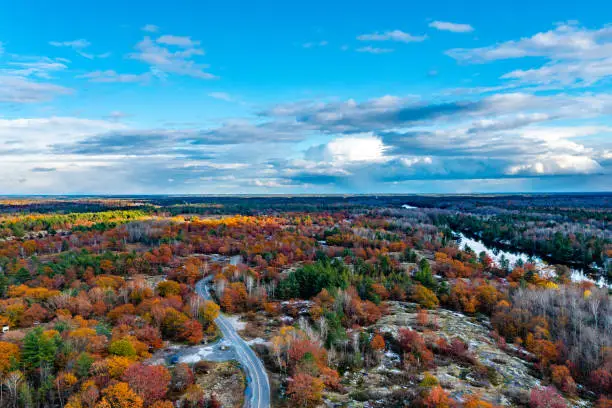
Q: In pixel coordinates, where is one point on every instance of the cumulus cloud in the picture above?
(360, 145)
(556, 165)
(502, 136)
(452, 27)
(367, 148)
(393, 35)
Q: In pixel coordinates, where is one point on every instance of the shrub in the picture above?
(546, 397)
(425, 297)
(122, 347)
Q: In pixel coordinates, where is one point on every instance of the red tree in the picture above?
(305, 390)
(437, 398)
(191, 332)
(149, 382)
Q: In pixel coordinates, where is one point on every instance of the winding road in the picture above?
(257, 394)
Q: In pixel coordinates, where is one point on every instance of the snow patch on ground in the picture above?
(257, 340)
(200, 355)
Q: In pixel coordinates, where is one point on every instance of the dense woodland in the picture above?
(91, 287)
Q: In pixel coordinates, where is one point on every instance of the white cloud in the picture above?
(150, 28)
(453, 27)
(41, 68)
(366, 148)
(22, 89)
(116, 116)
(20, 79)
(315, 44)
(576, 56)
(179, 41)
(374, 50)
(224, 96)
(75, 44)
(113, 76)
(92, 56)
(394, 35)
(371, 144)
(269, 183)
(566, 41)
(556, 165)
(179, 62)
(36, 134)
(565, 73)
(79, 46)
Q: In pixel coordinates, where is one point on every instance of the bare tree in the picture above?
(12, 382)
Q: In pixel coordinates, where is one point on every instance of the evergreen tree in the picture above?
(22, 276)
(83, 364)
(37, 350)
(424, 274)
(3, 285)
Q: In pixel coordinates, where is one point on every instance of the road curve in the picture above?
(257, 394)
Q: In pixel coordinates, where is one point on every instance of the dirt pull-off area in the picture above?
(226, 381)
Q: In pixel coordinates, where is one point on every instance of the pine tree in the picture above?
(424, 274)
(38, 351)
(23, 275)
(3, 284)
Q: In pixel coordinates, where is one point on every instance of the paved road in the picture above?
(257, 394)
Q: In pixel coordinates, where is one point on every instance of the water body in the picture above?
(496, 254)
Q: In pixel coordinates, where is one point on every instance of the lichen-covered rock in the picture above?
(503, 378)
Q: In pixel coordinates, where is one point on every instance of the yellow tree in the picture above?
(9, 354)
(209, 311)
(120, 395)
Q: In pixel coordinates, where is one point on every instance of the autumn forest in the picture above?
(356, 301)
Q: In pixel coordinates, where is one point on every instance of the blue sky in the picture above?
(280, 97)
